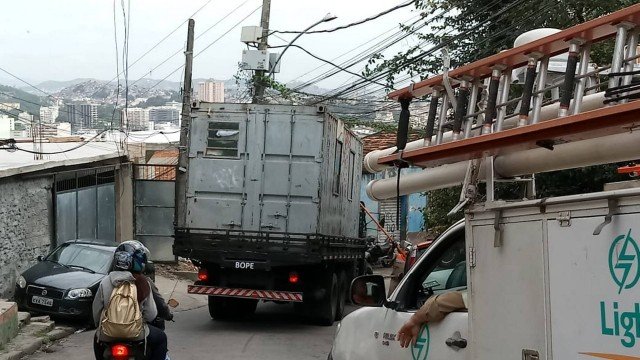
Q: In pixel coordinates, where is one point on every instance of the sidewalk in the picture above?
(177, 289)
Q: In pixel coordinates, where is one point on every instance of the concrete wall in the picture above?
(124, 203)
(25, 222)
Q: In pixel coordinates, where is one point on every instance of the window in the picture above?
(222, 139)
(337, 168)
(352, 173)
(444, 269)
(83, 256)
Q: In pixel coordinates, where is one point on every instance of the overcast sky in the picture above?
(68, 39)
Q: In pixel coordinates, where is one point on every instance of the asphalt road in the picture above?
(274, 332)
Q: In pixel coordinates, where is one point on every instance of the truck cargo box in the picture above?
(282, 176)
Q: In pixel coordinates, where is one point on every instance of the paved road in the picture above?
(274, 332)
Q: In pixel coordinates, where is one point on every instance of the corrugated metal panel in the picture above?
(268, 175)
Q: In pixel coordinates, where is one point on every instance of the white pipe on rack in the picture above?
(589, 102)
(603, 150)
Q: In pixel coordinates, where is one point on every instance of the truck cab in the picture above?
(545, 279)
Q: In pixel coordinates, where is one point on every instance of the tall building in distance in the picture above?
(135, 119)
(211, 91)
(164, 114)
(82, 116)
(49, 114)
(7, 125)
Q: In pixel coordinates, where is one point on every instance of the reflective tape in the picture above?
(245, 293)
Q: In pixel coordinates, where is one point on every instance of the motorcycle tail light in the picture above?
(120, 352)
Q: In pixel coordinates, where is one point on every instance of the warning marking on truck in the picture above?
(245, 293)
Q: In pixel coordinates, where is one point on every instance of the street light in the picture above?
(326, 18)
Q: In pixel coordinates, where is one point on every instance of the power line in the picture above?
(352, 24)
(204, 49)
(394, 28)
(197, 37)
(429, 51)
(324, 60)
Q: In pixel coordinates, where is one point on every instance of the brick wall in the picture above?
(25, 206)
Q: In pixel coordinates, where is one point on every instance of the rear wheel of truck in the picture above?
(342, 295)
(328, 307)
(226, 309)
(217, 308)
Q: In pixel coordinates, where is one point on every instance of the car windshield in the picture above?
(83, 256)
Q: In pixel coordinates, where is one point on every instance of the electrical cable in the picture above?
(204, 49)
(181, 50)
(324, 60)
(429, 51)
(403, 5)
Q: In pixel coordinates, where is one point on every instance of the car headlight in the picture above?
(79, 293)
(22, 283)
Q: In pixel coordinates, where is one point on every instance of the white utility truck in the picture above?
(552, 278)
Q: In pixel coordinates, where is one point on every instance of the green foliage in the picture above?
(577, 181)
(377, 126)
(439, 203)
(460, 25)
(27, 105)
(161, 100)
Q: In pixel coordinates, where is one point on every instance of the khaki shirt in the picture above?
(438, 306)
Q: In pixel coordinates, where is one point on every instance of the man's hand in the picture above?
(408, 333)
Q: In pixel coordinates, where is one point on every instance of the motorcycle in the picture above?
(132, 349)
(382, 254)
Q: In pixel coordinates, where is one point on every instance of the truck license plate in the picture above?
(42, 301)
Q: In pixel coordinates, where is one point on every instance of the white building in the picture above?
(82, 116)
(135, 119)
(161, 114)
(7, 126)
(211, 91)
(9, 106)
(49, 114)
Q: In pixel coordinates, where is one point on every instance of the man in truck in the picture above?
(433, 310)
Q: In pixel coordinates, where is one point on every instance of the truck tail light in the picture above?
(203, 275)
(294, 277)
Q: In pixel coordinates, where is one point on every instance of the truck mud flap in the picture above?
(245, 293)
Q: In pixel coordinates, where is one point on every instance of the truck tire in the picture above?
(218, 308)
(226, 309)
(342, 295)
(328, 307)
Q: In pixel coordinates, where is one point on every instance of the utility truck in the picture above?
(545, 278)
(270, 208)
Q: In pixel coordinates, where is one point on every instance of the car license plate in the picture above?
(42, 301)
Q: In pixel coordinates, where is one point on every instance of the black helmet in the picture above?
(130, 256)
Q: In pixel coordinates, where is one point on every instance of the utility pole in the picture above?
(258, 84)
(183, 152)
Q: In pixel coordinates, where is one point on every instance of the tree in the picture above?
(474, 29)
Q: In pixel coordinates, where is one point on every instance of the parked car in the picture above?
(64, 282)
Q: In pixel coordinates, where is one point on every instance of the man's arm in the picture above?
(434, 309)
(98, 305)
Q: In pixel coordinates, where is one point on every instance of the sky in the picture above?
(67, 39)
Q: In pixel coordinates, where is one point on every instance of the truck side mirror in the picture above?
(368, 290)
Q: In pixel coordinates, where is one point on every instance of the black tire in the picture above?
(218, 308)
(226, 308)
(342, 295)
(327, 308)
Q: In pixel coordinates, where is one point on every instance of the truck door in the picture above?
(371, 333)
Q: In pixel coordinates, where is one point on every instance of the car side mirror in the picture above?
(368, 290)
(40, 258)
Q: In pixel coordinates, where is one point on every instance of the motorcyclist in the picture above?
(129, 263)
(164, 311)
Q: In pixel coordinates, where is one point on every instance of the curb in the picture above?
(29, 343)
